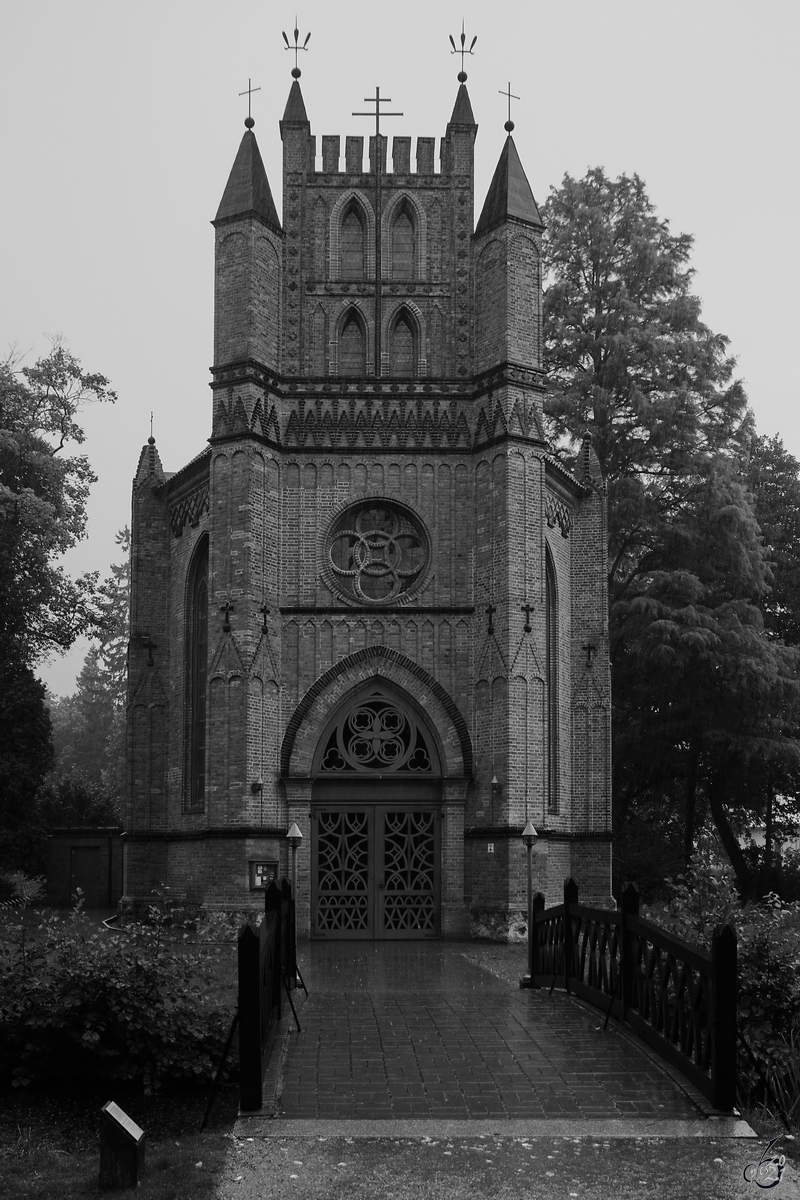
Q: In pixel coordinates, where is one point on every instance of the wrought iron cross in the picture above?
(377, 100)
(489, 612)
(265, 611)
(509, 125)
(527, 609)
(250, 89)
(227, 608)
(462, 75)
(296, 47)
(591, 650)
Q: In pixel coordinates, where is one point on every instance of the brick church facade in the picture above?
(375, 604)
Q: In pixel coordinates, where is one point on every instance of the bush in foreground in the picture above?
(84, 1004)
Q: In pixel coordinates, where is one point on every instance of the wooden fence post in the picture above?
(533, 938)
(288, 938)
(272, 904)
(723, 1018)
(250, 1002)
(570, 898)
(630, 908)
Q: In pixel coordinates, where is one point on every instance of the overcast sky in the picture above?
(119, 122)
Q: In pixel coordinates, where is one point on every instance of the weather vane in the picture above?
(250, 89)
(462, 74)
(509, 125)
(297, 48)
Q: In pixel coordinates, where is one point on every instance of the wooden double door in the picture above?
(376, 870)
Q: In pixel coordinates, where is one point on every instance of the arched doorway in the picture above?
(376, 821)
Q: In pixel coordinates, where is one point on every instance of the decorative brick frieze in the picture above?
(190, 509)
(557, 513)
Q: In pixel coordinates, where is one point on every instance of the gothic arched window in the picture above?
(352, 346)
(197, 677)
(352, 245)
(551, 612)
(403, 246)
(403, 345)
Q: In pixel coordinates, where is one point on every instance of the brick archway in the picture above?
(375, 662)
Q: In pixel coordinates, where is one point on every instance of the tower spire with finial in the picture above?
(462, 74)
(249, 122)
(296, 72)
(509, 125)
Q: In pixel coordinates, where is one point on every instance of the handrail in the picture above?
(679, 998)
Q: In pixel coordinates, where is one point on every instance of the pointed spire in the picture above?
(592, 471)
(295, 113)
(462, 112)
(247, 189)
(149, 469)
(509, 194)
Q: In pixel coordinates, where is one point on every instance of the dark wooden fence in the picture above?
(266, 956)
(678, 998)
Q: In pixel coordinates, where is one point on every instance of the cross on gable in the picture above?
(377, 100)
(227, 608)
(265, 611)
(149, 645)
(527, 609)
(509, 125)
(249, 93)
(489, 612)
(591, 650)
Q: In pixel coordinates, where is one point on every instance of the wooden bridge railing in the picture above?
(678, 998)
(265, 953)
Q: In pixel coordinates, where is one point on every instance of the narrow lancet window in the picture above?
(403, 350)
(352, 246)
(352, 358)
(403, 247)
(197, 678)
(551, 611)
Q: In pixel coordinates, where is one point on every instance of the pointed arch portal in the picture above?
(376, 821)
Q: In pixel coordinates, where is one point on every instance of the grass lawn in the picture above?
(50, 1141)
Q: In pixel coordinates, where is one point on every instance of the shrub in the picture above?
(80, 1003)
(768, 958)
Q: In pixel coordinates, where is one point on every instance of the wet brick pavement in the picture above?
(402, 1030)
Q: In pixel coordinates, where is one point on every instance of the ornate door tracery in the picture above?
(375, 871)
(376, 860)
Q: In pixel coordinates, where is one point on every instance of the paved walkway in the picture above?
(405, 1030)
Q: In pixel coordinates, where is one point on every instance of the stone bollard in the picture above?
(121, 1148)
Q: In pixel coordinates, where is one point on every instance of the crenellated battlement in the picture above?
(400, 162)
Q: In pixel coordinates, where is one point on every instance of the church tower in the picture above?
(375, 605)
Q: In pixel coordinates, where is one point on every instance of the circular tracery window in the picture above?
(377, 552)
(376, 735)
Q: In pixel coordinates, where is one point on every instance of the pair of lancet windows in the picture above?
(353, 245)
(403, 345)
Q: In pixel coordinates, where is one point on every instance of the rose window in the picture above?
(377, 552)
(376, 736)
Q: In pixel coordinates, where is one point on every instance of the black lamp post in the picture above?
(529, 836)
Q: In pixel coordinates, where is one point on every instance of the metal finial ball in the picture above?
(509, 125)
(249, 122)
(296, 72)
(151, 441)
(462, 76)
